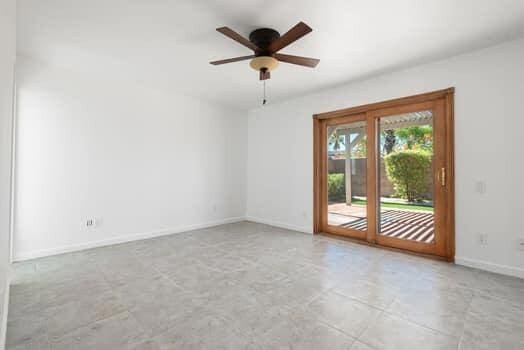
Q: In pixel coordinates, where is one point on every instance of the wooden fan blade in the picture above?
(230, 33)
(291, 36)
(234, 59)
(301, 61)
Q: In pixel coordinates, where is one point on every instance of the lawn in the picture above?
(391, 205)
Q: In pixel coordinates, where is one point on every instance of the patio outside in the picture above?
(404, 173)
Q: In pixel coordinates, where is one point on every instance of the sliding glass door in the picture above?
(383, 173)
(346, 153)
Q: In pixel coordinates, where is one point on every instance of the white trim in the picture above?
(121, 239)
(492, 267)
(12, 178)
(280, 224)
(478, 264)
(4, 312)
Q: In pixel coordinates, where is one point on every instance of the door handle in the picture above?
(442, 176)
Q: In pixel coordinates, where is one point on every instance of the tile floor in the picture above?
(252, 286)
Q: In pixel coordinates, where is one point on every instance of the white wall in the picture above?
(145, 161)
(489, 124)
(140, 161)
(7, 61)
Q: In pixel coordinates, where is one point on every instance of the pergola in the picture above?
(355, 131)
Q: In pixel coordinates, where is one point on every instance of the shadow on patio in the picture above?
(412, 224)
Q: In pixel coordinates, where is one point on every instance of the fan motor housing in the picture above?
(263, 37)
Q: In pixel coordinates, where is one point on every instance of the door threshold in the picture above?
(374, 245)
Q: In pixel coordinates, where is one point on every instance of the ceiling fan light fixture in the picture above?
(267, 63)
(266, 44)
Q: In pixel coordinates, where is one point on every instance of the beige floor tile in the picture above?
(392, 332)
(253, 286)
(349, 315)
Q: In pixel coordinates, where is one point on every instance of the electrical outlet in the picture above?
(480, 187)
(482, 238)
(520, 244)
(91, 223)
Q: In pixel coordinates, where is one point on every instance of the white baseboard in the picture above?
(120, 239)
(3, 314)
(491, 267)
(478, 264)
(280, 224)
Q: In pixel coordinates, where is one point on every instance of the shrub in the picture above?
(336, 187)
(408, 171)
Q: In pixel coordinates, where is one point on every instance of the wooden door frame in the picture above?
(319, 159)
(359, 117)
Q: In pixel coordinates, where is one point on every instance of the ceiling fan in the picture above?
(266, 42)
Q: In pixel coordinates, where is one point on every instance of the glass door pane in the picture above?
(346, 182)
(405, 181)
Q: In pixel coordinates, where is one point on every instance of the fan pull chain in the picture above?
(264, 100)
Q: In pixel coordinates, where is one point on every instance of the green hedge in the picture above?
(336, 187)
(408, 171)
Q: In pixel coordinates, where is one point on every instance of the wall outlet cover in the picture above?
(520, 244)
(482, 238)
(480, 187)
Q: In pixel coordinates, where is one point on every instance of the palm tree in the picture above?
(390, 139)
(336, 141)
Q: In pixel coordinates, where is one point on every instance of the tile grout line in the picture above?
(303, 262)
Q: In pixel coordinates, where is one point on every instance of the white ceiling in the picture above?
(168, 43)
